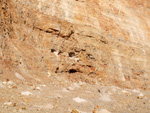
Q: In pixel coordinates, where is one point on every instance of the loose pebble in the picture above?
(74, 111)
(124, 91)
(43, 85)
(38, 88)
(97, 107)
(23, 108)
(19, 76)
(70, 88)
(79, 100)
(26, 93)
(140, 96)
(14, 87)
(14, 104)
(136, 91)
(94, 111)
(8, 103)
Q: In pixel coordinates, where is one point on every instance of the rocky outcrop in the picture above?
(88, 40)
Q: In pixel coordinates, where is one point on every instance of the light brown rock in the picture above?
(109, 40)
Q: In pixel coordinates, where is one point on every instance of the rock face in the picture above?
(86, 40)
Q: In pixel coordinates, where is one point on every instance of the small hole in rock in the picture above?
(71, 54)
(57, 70)
(60, 52)
(73, 71)
(52, 50)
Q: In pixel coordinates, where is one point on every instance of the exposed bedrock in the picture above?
(88, 40)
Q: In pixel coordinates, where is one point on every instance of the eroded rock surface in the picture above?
(84, 40)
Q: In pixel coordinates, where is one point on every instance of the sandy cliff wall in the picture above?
(88, 40)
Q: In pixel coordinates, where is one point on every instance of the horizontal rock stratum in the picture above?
(85, 40)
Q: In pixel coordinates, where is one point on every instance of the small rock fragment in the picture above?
(140, 97)
(97, 107)
(141, 94)
(26, 93)
(79, 100)
(70, 88)
(8, 103)
(25, 100)
(43, 85)
(14, 105)
(19, 76)
(136, 91)
(94, 111)
(33, 87)
(38, 109)
(4, 82)
(74, 111)
(23, 108)
(14, 87)
(10, 83)
(38, 88)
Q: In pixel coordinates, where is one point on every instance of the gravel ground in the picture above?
(62, 96)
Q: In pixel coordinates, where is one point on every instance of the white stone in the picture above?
(79, 100)
(136, 91)
(19, 76)
(8, 103)
(4, 82)
(38, 88)
(70, 88)
(10, 83)
(26, 93)
(56, 53)
(43, 85)
(124, 91)
(49, 74)
(141, 95)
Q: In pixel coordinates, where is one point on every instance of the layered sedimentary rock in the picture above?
(105, 40)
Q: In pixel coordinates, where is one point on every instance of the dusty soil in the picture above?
(57, 94)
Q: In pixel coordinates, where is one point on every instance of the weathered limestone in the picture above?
(107, 40)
